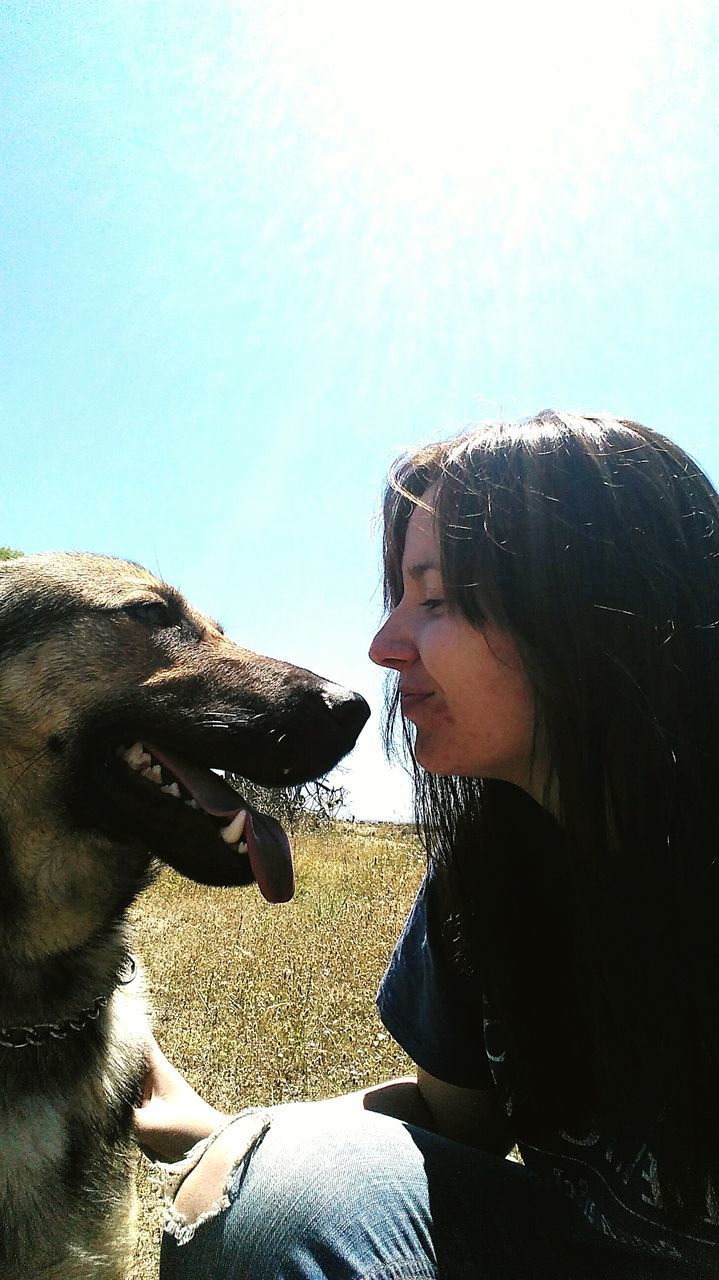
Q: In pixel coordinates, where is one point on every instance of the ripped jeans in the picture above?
(319, 1193)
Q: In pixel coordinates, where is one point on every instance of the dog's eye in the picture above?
(152, 613)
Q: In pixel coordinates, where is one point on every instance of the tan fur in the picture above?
(75, 659)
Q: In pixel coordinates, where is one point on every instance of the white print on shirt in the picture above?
(592, 1169)
(493, 1040)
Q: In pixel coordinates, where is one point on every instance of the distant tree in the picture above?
(312, 803)
(7, 553)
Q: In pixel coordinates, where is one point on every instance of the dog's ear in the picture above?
(11, 600)
(33, 601)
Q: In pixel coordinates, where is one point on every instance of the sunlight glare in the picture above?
(417, 96)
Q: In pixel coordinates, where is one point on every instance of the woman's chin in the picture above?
(433, 761)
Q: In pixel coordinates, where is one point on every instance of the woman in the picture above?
(553, 595)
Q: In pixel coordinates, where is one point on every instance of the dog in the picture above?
(118, 704)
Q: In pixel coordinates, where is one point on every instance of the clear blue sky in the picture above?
(251, 250)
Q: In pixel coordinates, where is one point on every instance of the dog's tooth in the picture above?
(135, 756)
(172, 790)
(232, 832)
(154, 775)
(242, 847)
(143, 761)
(192, 804)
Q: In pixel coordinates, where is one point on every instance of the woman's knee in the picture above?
(321, 1192)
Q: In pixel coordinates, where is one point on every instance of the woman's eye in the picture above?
(432, 604)
(150, 612)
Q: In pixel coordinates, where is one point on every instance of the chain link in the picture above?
(41, 1034)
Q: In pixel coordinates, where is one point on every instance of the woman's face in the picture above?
(464, 689)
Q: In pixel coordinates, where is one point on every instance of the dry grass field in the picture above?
(260, 1004)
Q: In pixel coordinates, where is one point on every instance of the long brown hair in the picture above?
(595, 541)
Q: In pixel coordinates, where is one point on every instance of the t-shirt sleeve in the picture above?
(431, 1007)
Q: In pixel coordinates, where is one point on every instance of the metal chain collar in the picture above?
(44, 1032)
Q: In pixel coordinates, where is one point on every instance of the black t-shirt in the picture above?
(434, 1010)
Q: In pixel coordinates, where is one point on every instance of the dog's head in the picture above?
(118, 704)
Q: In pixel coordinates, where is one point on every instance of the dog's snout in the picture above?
(320, 725)
(349, 710)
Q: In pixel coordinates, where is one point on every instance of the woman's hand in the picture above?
(171, 1117)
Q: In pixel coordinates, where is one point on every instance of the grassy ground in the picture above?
(259, 1004)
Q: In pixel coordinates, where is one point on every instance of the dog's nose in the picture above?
(349, 710)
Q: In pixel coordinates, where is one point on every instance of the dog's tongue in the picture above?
(268, 847)
(270, 854)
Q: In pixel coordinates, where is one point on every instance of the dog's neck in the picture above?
(43, 1033)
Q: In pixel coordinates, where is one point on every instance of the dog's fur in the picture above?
(95, 655)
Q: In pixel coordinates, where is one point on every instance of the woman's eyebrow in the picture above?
(416, 571)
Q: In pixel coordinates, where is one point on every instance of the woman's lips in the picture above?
(411, 700)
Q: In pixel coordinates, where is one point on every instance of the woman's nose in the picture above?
(391, 647)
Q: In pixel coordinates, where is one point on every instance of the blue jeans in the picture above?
(329, 1194)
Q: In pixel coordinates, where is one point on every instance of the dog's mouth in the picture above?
(143, 773)
(201, 826)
